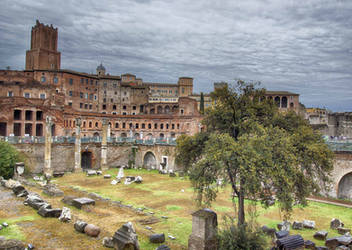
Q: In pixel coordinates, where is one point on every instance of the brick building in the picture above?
(133, 108)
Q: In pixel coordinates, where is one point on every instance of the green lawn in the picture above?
(173, 197)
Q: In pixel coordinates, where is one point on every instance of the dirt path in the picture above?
(330, 202)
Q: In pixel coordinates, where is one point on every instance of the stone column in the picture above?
(204, 230)
(78, 167)
(109, 130)
(104, 146)
(47, 152)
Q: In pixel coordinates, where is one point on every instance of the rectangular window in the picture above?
(70, 93)
(17, 114)
(90, 106)
(86, 106)
(70, 81)
(39, 116)
(28, 115)
(81, 105)
(42, 96)
(86, 95)
(80, 94)
(70, 104)
(10, 94)
(27, 95)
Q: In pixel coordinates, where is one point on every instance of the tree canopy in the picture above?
(261, 152)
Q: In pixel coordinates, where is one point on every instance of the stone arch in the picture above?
(136, 135)
(167, 109)
(149, 160)
(86, 159)
(344, 188)
(96, 134)
(161, 135)
(123, 135)
(159, 109)
(149, 136)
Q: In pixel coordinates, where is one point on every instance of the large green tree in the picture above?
(259, 151)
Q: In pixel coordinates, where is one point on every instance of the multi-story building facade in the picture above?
(132, 107)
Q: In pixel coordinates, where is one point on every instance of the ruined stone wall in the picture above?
(62, 158)
(342, 167)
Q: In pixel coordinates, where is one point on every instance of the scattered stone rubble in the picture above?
(284, 239)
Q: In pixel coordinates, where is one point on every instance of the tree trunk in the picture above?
(241, 215)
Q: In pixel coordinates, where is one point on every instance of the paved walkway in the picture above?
(330, 202)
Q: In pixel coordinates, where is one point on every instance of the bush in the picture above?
(8, 157)
(242, 237)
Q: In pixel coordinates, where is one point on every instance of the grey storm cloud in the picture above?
(299, 46)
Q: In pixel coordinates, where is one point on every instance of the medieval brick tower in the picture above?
(43, 54)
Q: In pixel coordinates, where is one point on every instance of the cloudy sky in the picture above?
(299, 46)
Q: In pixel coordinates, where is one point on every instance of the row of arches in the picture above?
(149, 160)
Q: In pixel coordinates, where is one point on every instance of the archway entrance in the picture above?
(86, 161)
(345, 187)
(149, 161)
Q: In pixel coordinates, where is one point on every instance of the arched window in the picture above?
(161, 135)
(160, 109)
(167, 109)
(96, 124)
(152, 111)
(284, 102)
(161, 126)
(84, 124)
(116, 125)
(277, 101)
(90, 124)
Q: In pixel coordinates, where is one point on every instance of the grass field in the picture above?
(164, 196)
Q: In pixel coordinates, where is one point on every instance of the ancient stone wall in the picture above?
(62, 158)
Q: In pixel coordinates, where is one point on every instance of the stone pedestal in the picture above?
(78, 167)
(204, 230)
(47, 152)
(104, 146)
(19, 170)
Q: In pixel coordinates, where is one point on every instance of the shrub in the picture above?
(242, 237)
(8, 157)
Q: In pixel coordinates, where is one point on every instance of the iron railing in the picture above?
(97, 139)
